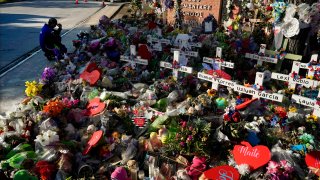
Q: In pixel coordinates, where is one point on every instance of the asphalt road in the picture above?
(20, 23)
(12, 82)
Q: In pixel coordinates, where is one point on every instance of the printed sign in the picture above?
(303, 100)
(187, 53)
(261, 94)
(255, 157)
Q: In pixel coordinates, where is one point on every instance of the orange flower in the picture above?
(53, 107)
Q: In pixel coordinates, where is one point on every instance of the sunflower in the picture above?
(312, 118)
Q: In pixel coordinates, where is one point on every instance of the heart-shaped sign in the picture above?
(91, 77)
(95, 138)
(222, 172)
(255, 157)
(95, 107)
(139, 121)
(313, 161)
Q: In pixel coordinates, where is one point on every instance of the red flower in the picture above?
(236, 117)
(269, 8)
(226, 117)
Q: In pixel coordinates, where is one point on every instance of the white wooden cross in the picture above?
(256, 93)
(157, 43)
(217, 81)
(175, 73)
(308, 102)
(259, 58)
(311, 71)
(132, 59)
(292, 80)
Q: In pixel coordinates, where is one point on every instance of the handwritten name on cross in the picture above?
(175, 73)
(262, 58)
(132, 59)
(256, 93)
(295, 80)
(156, 44)
(307, 102)
(217, 81)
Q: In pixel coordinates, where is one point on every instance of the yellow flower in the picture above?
(33, 88)
(211, 92)
(292, 109)
(309, 77)
(312, 118)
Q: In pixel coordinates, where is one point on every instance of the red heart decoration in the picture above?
(91, 77)
(313, 161)
(139, 121)
(92, 66)
(95, 107)
(143, 52)
(95, 138)
(255, 157)
(222, 172)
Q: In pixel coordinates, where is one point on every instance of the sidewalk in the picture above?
(12, 84)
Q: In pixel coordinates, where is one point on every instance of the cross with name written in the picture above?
(218, 61)
(132, 59)
(307, 102)
(156, 44)
(262, 58)
(175, 66)
(257, 93)
(294, 78)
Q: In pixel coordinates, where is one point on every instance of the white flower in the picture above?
(47, 138)
(243, 169)
(40, 139)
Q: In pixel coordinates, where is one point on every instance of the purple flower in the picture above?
(48, 74)
(182, 144)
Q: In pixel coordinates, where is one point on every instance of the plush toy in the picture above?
(197, 167)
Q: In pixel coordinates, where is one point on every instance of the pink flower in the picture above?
(272, 167)
(190, 128)
(286, 166)
(183, 124)
(182, 143)
(189, 138)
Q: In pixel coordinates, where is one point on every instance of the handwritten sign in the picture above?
(223, 63)
(255, 157)
(259, 58)
(222, 173)
(187, 53)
